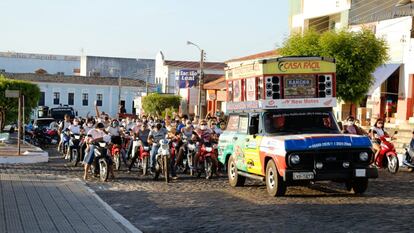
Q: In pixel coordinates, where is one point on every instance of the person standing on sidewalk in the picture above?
(62, 127)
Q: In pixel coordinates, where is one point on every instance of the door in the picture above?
(251, 146)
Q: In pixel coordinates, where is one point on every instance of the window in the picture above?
(233, 123)
(99, 99)
(243, 124)
(56, 98)
(230, 91)
(85, 99)
(71, 98)
(42, 99)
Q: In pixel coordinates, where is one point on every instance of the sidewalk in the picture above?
(42, 203)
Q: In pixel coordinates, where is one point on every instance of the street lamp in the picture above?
(200, 79)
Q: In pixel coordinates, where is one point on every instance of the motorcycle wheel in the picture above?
(157, 169)
(103, 169)
(393, 164)
(145, 166)
(166, 163)
(190, 163)
(74, 157)
(208, 166)
(117, 159)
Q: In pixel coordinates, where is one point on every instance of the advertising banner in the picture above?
(250, 89)
(299, 87)
(237, 90)
(187, 78)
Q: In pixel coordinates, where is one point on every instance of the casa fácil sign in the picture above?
(187, 78)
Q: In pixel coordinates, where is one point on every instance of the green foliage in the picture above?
(357, 55)
(9, 106)
(157, 104)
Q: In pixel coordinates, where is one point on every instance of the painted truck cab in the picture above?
(282, 130)
(303, 145)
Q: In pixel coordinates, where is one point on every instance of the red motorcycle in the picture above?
(115, 148)
(205, 162)
(144, 154)
(387, 157)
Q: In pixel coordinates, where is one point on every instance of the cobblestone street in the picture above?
(199, 205)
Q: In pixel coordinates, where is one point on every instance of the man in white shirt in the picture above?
(62, 127)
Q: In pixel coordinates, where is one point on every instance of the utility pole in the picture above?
(200, 83)
(119, 94)
(19, 124)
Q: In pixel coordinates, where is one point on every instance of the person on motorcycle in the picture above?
(182, 123)
(155, 136)
(142, 136)
(114, 132)
(187, 131)
(205, 134)
(75, 128)
(62, 127)
(95, 135)
(352, 128)
(376, 132)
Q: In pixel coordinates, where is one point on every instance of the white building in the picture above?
(168, 74)
(82, 92)
(30, 62)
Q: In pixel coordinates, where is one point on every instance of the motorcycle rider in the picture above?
(95, 135)
(187, 131)
(205, 134)
(377, 131)
(142, 136)
(62, 127)
(352, 128)
(155, 136)
(73, 129)
(114, 132)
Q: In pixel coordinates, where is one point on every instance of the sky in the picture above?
(225, 29)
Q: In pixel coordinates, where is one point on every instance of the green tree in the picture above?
(158, 103)
(357, 55)
(9, 106)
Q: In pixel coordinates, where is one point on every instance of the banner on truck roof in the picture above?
(299, 67)
(281, 104)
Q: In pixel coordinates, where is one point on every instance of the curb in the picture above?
(113, 212)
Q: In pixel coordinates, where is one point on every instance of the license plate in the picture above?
(360, 172)
(303, 175)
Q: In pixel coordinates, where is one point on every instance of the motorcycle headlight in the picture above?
(363, 156)
(164, 152)
(209, 149)
(146, 148)
(165, 146)
(294, 159)
(102, 144)
(191, 146)
(77, 137)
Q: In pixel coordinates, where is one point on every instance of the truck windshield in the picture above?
(298, 122)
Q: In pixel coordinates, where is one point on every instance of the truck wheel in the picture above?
(235, 179)
(274, 183)
(359, 185)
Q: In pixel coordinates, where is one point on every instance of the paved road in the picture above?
(198, 205)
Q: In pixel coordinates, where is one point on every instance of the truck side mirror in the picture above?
(253, 129)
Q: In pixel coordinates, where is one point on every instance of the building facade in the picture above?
(82, 93)
(30, 62)
(391, 95)
(142, 69)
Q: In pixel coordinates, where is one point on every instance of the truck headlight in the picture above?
(363, 156)
(294, 159)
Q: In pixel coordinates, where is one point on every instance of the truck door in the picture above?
(251, 147)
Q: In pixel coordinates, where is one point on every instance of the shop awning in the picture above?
(381, 74)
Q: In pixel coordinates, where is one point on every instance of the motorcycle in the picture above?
(192, 147)
(74, 148)
(100, 164)
(144, 158)
(407, 159)
(205, 162)
(65, 142)
(162, 160)
(387, 157)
